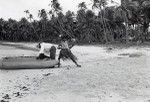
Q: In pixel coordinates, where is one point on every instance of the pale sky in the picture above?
(15, 8)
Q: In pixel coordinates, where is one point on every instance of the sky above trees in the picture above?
(15, 8)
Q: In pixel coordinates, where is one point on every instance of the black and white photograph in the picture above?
(74, 50)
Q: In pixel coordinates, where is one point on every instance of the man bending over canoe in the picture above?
(44, 48)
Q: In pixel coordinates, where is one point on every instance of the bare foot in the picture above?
(59, 65)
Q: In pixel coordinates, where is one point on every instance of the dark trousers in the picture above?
(42, 56)
(67, 54)
(53, 52)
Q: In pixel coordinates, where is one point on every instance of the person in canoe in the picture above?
(46, 48)
(65, 52)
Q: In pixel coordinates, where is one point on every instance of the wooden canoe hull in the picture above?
(26, 62)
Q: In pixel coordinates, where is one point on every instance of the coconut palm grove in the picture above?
(123, 23)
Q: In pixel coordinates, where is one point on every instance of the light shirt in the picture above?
(45, 47)
(64, 45)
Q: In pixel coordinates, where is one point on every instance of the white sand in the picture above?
(105, 76)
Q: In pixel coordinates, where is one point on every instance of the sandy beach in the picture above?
(107, 75)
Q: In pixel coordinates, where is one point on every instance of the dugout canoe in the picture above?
(26, 62)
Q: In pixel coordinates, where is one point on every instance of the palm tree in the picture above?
(55, 7)
(68, 23)
(110, 21)
(80, 23)
(82, 5)
(57, 13)
(24, 27)
(101, 4)
(30, 17)
(27, 13)
(43, 16)
(137, 12)
(90, 16)
(2, 31)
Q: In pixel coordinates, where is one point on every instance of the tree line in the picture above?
(128, 21)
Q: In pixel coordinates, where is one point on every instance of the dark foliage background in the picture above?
(127, 22)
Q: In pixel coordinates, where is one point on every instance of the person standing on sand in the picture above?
(65, 52)
(45, 47)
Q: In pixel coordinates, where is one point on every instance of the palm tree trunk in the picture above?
(127, 33)
(104, 26)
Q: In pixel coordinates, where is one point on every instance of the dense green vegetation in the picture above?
(129, 21)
